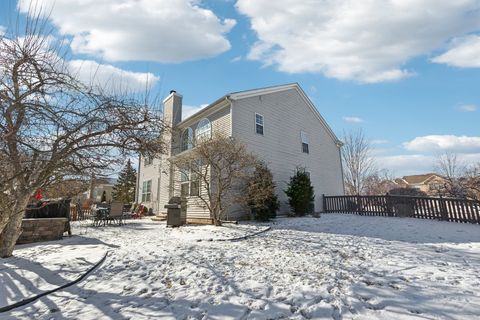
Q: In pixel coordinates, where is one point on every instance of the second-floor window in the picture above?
(148, 161)
(304, 139)
(204, 130)
(258, 123)
(147, 191)
(187, 139)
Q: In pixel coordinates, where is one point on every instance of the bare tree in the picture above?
(472, 181)
(65, 188)
(358, 163)
(54, 126)
(452, 170)
(379, 183)
(217, 167)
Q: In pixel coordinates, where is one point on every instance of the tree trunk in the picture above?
(216, 217)
(12, 229)
(9, 236)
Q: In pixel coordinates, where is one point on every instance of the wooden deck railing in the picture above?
(446, 209)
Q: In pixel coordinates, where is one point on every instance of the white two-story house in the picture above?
(279, 124)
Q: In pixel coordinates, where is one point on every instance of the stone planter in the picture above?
(42, 229)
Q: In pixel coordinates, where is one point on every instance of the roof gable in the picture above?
(262, 91)
(419, 178)
(280, 88)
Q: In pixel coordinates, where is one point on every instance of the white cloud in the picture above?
(465, 53)
(407, 164)
(353, 119)
(2, 30)
(442, 143)
(367, 41)
(236, 59)
(468, 108)
(417, 163)
(111, 78)
(188, 111)
(167, 31)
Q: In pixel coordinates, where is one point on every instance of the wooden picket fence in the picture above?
(79, 214)
(445, 209)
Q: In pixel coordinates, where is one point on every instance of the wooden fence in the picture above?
(79, 214)
(446, 209)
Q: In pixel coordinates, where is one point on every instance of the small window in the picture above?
(184, 184)
(147, 191)
(148, 161)
(190, 181)
(187, 139)
(195, 179)
(258, 123)
(204, 130)
(304, 139)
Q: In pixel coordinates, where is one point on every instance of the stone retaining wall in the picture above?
(42, 229)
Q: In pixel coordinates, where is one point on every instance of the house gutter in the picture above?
(137, 189)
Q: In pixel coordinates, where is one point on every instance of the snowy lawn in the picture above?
(338, 266)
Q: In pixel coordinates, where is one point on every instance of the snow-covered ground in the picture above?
(337, 266)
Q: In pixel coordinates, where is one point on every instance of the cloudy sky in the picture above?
(406, 71)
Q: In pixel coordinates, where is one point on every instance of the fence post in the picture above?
(388, 205)
(359, 205)
(324, 200)
(443, 209)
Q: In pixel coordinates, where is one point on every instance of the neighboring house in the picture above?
(430, 183)
(99, 186)
(280, 125)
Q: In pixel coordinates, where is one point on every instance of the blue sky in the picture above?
(407, 72)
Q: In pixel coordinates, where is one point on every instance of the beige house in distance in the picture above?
(279, 124)
(430, 183)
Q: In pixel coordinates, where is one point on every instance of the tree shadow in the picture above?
(411, 230)
(74, 240)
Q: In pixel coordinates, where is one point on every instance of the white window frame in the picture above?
(187, 145)
(260, 124)
(204, 135)
(147, 161)
(304, 141)
(184, 180)
(190, 178)
(147, 191)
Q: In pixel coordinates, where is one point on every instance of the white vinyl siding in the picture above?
(280, 147)
(220, 124)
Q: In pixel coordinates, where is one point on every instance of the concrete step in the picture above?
(159, 217)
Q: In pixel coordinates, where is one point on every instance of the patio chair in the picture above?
(116, 212)
(100, 213)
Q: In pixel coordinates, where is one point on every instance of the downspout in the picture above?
(231, 114)
(137, 189)
(339, 145)
(159, 184)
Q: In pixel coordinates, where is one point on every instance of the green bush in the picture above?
(300, 193)
(260, 193)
